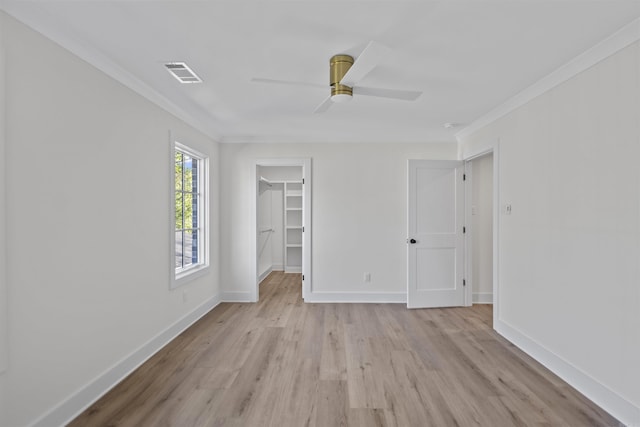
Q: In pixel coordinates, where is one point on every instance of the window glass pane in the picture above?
(187, 210)
(187, 202)
(178, 249)
(194, 210)
(188, 173)
(195, 163)
(179, 211)
(178, 170)
(190, 247)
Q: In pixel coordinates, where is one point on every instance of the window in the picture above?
(190, 204)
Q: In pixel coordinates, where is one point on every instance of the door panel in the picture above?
(435, 223)
(435, 184)
(436, 269)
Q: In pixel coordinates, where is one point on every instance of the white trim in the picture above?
(305, 163)
(625, 411)
(492, 146)
(265, 274)
(76, 403)
(496, 231)
(468, 237)
(357, 297)
(4, 295)
(242, 296)
(39, 20)
(482, 298)
(179, 278)
(607, 47)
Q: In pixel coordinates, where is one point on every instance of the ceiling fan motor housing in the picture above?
(338, 67)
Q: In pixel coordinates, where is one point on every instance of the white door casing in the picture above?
(305, 163)
(435, 238)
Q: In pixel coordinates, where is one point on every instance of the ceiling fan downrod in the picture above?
(338, 67)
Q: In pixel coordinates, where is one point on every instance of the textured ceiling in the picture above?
(466, 56)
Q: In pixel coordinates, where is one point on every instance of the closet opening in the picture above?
(282, 219)
(483, 212)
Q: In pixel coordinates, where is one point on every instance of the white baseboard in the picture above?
(482, 298)
(243, 296)
(72, 406)
(625, 411)
(289, 269)
(265, 274)
(357, 297)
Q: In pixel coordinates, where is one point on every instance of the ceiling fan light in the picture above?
(341, 98)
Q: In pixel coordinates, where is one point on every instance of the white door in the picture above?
(435, 234)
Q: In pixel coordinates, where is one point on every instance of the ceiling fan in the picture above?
(344, 74)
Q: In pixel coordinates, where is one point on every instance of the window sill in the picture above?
(188, 275)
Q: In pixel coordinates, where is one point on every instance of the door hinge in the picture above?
(303, 277)
(303, 180)
(464, 230)
(464, 282)
(464, 176)
(303, 229)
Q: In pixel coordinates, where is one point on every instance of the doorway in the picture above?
(282, 220)
(480, 241)
(434, 274)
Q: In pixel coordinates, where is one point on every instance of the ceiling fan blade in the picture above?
(324, 106)
(363, 64)
(288, 82)
(406, 95)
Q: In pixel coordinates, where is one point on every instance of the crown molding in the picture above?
(619, 40)
(41, 22)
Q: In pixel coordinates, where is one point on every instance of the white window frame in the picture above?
(180, 276)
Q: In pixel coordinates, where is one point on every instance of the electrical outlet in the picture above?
(367, 277)
(507, 209)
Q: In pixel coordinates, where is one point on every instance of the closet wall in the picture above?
(279, 215)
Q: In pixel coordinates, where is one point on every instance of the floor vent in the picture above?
(182, 72)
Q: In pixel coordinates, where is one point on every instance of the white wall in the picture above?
(3, 269)
(570, 251)
(358, 214)
(88, 223)
(482, 228)
(281, 173)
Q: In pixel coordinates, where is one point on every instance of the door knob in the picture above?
(412, 241)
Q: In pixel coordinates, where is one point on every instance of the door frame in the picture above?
(491, 148)
(305, 163)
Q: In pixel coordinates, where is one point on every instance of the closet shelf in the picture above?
(265, 181)
(293, 226)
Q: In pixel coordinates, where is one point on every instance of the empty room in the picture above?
(319, 213)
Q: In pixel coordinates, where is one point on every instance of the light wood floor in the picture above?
(285, 363)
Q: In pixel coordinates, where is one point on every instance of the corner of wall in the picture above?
(601, 395)
(73, 405)
(3, 278)
(4, 316)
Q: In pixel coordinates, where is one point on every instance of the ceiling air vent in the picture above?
(182, 72)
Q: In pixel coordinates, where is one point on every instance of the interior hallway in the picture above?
(281, 362)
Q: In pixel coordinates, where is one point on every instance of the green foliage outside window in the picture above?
(184, 184)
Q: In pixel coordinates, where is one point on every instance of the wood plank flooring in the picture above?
(285, 363)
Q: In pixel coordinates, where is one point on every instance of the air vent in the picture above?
(182, 72)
